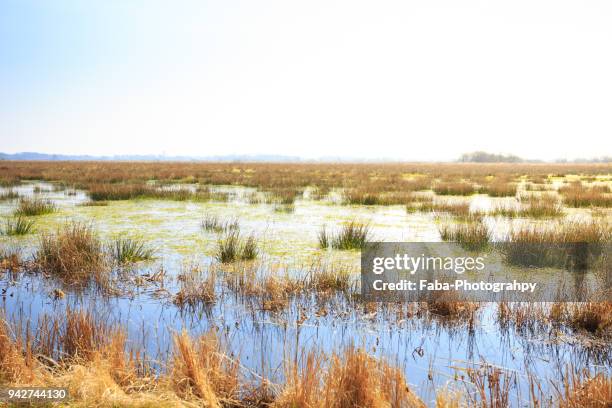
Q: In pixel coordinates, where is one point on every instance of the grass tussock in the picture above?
(471, 235)
(33, 206)
(214, 223)
(460, 209)
(350, 379)
(460, 188)
(17, 226)
(196, 287)
(200, 370)
(127, 250)
(500, 188)
(353, 235)
(569, 244)
(231, 247)
(578, 195)
(73, 253)
(594, 317)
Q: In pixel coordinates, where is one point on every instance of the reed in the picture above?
(594, 317)
(586, 390)
(196, 287)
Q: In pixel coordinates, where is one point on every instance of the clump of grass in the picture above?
(9, 195)
(570, 244)
(113, 192)
(214, 223)
(15, 365)
(18, 226)
(594, 317)
(584, 390)
(73, 253)
(32, 207)
(330, 279)
(232, 247)
(127, 250)
(196, 288)
(454, 188)
(532, 206)
(353, 235)
(200, 369)
(541, 206)
(577, 195)
(471, 235)
(10, 259)
(323, 238)
(500, 189)
(353, 378)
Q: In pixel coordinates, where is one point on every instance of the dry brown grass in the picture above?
(74, 253)
(587, 391)
(388, 182)
(594, 317)
(201, 370)
(454, 188)
(17, 366)
(578, 195)
(351, 379)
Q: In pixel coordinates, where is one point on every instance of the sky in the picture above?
(409, 79)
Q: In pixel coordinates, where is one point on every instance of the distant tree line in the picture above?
(484, 157)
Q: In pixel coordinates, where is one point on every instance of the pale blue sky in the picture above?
(424, 79)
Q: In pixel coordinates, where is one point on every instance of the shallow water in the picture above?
(432, 351)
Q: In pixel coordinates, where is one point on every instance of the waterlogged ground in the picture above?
(434, 352)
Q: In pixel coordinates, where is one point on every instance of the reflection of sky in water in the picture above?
(173, 228)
